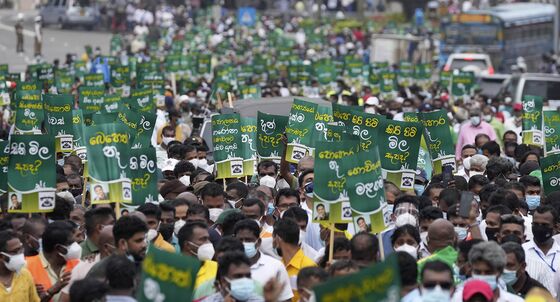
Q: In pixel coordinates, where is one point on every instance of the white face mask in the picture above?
(16, 262)
(205, 251)
(151, 235)
(407, 248)
(203, 163)
(186, 180)
(475, 120)
(370, 110)
(195, 162)
(166, 140)
(178, 225)
(215, 213)
(406, 218)
(473, 173)
(268, 181)
(424, 237)
(302, 235)
(74, 251)
(467, 163)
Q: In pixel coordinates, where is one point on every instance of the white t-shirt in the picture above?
(267, 268)
(80, 272)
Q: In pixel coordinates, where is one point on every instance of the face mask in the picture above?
(467, 163)
(419, 189)
(178, 225)
(166, 140)
(488, 118)
(60, 162)
(205, 251)
(436, 294)
(491, 233)
(302, 235)
(39, 243)
(477, 198)
(186, 180)
(370, 110)
(74, 251)
(509, 277)
(16, 262)
(215, 213)
(461, 233)
(390, 207)
(151, 235)
(533, 201)
(76, 192)
(473, 173)
(166, 230)
(490, 279)
(511, 238)
(475, 120)
(241, 289)
(409, 249)
(393, 112)
(406, 218)
(407, 109)
(195, 163)
(203, 163)
(270, 209)
(268, 181)
(541, 233)
(250, 249)
(424, 237)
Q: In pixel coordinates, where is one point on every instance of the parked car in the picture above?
(70, 13)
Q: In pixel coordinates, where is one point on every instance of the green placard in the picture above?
(248, 92)
(145, 129)
(330, 197)
(388, 85)
(270, 128)
(58, 110)
(94, 80)
(226, 138)
(462, 84)
(323, 117)
(550, 167)
(142, 100)
(399, 143)
(204, 63)
(438, 138)
(532, 120)
(31, 174)
(91, 99)
(361, 125)
(4, 165)
(406, 72)
(166, 276)
(120, 76)
(445, 79)
(29, 113)
(325, 72)
(551, 125)
(78, 132)
(27, 86)
(108, 153)
(380, 282)
(364, 185)
(300, 130)
(249, 145)
(143, 175)
(64, 83)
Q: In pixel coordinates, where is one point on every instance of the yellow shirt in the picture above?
(204, 283)
(297, 262)
(22, 289)
(161, 244)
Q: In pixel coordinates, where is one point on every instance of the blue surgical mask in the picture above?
(250, 249)
(436, 294)
(270, 209)
(490, 279)
(241, 289)
(533, 201)
(509, 277)
(419, 189)
(461, 233)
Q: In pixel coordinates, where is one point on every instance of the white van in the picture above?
(478, 63)
(540, 84)
(68, 13)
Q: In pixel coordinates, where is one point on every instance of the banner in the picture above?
(330, 197)
(64, 83)
(142, 100)
(399, 143)
(550, 167)
(31, 174)
(29, 113)
(299, 130)
(167, 276)
(323, 130)
(94, 80)
(145, 129)
(551, 125)
(388, 85)
(532, 120)
(91, 98)
(108, 153)
(366, 192)
(143, 175)
(380, 282)
(58, 108)
(361, 125)
(228, 152)
(269, 133)
(249, 145)
(438, 138)
(4, 165)
(78, 132)
(462, 84)
(248, 92)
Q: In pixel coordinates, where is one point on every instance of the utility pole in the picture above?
(361, 8)
(556, 25)
(319, 10)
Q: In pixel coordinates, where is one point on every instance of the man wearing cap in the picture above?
(371, 105)
(171, 189)
(169, 168)
(477, 290)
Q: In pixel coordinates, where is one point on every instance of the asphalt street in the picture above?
(56, 42)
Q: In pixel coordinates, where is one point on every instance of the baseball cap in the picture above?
(473, 287)
(372, 101)
(169, 164)
(517, 107)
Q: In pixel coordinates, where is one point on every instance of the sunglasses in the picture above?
(444, 285)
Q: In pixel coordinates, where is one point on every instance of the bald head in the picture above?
(307, 162)
(106, 241)
(188, 196)
(139, 215)
(441, 234)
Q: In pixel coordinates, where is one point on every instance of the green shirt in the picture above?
(88, 248)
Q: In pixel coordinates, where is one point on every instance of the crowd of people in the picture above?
(256, 238)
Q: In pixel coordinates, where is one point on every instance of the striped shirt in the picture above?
(543, 267)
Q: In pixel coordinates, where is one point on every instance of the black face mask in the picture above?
(491, 233)
(541, 233)
(511, 238)
(166, 230)
(76, 192)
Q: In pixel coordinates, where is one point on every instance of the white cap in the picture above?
(169, 164)
(183, 98)
(372, 101)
